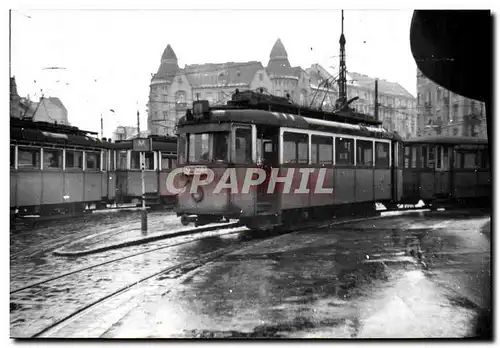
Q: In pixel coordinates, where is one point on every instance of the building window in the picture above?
(198, 96)
(180, 97)
(472, 106)
(303, 98)
(261, 76)
(455, 112)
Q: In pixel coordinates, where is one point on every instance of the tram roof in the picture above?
(280, 119)
(436, 139)
(38, 136)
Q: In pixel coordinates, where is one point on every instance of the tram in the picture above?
(269, 168)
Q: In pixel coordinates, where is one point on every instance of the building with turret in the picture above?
(173, 89)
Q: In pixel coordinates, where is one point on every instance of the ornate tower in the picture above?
(160, 108)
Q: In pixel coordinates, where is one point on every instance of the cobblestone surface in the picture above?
(39, 306)
(38, 262)
(286, 286)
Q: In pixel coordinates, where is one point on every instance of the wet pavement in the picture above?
(412, 276)
(43, 293)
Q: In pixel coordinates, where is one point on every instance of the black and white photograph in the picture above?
(250, 171)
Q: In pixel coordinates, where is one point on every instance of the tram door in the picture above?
(442, 173)
(268, 142)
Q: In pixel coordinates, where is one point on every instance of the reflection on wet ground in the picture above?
(403, 277)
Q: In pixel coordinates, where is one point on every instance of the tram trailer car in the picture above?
(57, 170)
(356, 161)
(444, 170)
(158, 164)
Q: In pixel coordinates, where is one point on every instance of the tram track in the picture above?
(47, 280)
(141, 272)
(182, 267)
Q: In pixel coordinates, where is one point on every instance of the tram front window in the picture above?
(209, 147)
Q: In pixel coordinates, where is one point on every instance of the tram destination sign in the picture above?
(143, 144)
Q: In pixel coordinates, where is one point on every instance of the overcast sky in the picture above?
(108, 56)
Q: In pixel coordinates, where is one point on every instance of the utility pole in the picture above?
(376, 99)
(138, 125)
(144, 212)
(10, 43)
(102, 127)
(342, 68)
(143, 145)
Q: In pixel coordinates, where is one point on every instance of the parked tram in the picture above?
(443, 170)
(353, 162)
(158, 164)
(57, 170)
(224, 150)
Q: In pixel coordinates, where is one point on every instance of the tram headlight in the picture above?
(198, 195)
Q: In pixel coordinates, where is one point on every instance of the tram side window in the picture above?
(407, 156)
(423, 156)
(382, 154)
(198, 147)
(485, 158)
(469, 160)
(413, 157)
(321, 150)
(12, 156)
(93, 161)
(401, 153)
(173, 162)
(243, 146)
(446, 158)
(136, 160)
(104, 160)
(150, 160)
(112, 160)
(74, 159)
(182, 148)
(52, 158)
(259, 150)
(439, 152)
(365, 152)
(344, 148)
(165, 161)
(295, 148)
(431, 157)
(122, 160)
(465, 159)
(28, 158)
